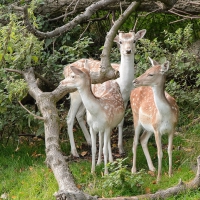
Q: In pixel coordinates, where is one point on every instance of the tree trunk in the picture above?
(46, 102)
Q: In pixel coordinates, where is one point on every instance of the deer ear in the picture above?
(164, 67)
(153, 62)
(116, 39)
(140, 34)
(86, 65)
(76, 71)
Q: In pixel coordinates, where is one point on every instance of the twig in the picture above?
(72, 11)
(178, 20)
(100, 18)
(184, 16)
(113, 17)
(181, 11)
(84, 30)
(14, 70)
(134, 28)
(120, 3)
(31, 135)
(35, 116)
(149, 13)
(195, 3)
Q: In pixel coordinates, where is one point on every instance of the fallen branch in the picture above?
(163, 194)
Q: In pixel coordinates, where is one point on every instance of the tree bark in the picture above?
(163, 194)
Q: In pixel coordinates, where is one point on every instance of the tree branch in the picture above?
(14, 70)
(105, 56)
(35, 116)
(77, 20)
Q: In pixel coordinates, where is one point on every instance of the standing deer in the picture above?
(127, 42)
(155, 111)
(103, 113)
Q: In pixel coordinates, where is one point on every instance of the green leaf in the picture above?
(35, 59)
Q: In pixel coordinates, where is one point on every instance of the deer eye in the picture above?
(72, 76)
(150, 75)
(120, 42)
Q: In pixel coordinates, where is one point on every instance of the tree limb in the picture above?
(35, 116)
(105, 56)
(77, 20)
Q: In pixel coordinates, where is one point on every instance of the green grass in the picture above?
(24, 175)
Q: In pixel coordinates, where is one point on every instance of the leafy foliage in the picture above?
(121, 179)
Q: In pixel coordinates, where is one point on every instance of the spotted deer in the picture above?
(127, 42)
(155, 111)
(103, 113)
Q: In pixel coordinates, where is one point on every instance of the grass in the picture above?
(24, 175)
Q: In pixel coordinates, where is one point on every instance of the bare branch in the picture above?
(35, 116)
(100, 18)
(14, 70)
(134, 28)
(184, 16)
(84, 30)
(194, 3)
(72, 11)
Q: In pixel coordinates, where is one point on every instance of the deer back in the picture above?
(94, 66)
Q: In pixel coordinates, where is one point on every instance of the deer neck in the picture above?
(160, 100)
(90, 102)
(126, 75)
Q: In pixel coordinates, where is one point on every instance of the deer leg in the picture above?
(160, 154)
(80, 118)
(105, 149)
(138, 129)
(110, 150)
(170, 147)
(120, 137)
(144, 141)
(94, 149)
(100, 147)
(74, 106)
(120, 134)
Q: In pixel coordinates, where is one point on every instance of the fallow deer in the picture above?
(155, 111)
(127, 43)
(103, 113)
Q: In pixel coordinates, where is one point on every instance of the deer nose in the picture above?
(128, 51)
(135, 82)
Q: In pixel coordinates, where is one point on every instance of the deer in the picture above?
(154, 111)
(77, 108)
(103, 113)
(127, 45)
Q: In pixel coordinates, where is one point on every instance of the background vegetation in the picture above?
(23, 173)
